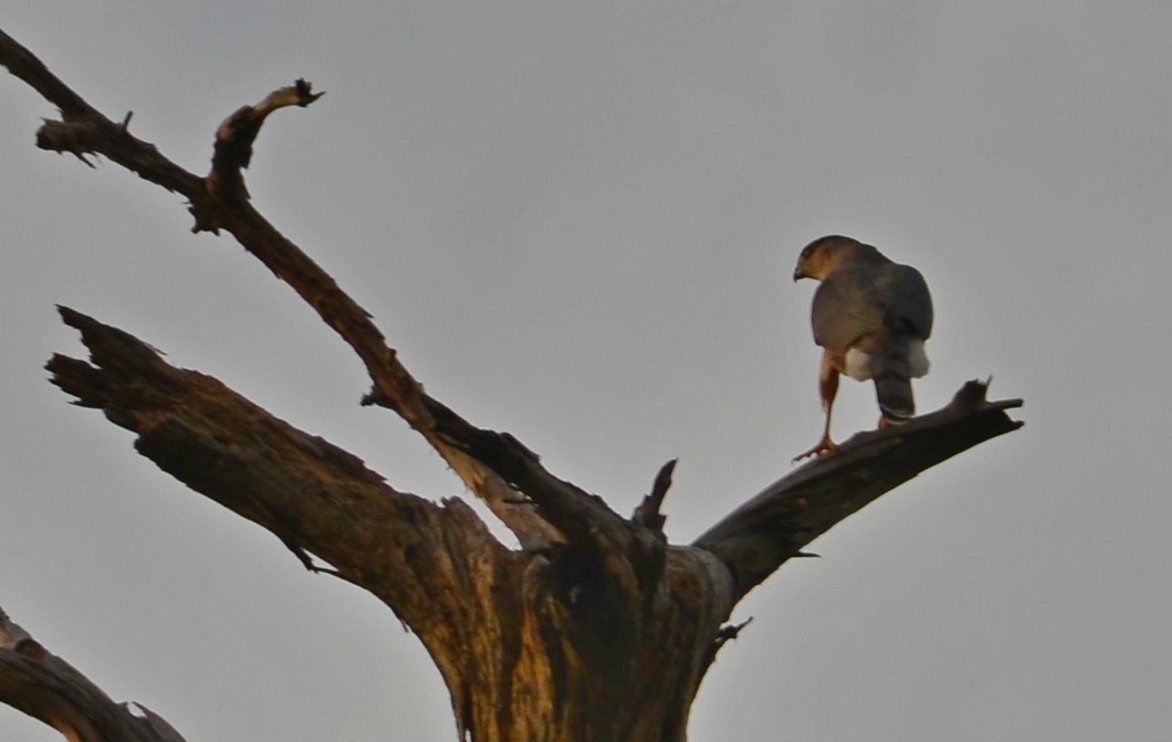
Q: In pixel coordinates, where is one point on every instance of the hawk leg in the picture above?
(828, 388)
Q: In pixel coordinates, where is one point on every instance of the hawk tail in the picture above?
(893, 374)
(893, 389)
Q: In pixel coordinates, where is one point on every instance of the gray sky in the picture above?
(578, 225)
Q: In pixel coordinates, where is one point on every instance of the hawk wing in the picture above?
(887, 299)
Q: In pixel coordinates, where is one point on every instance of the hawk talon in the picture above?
(823, 447)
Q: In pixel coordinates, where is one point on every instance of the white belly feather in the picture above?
(860, 365)
(917, 359)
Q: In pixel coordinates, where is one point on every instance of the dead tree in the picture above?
(596, 628)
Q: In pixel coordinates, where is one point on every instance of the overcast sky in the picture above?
(578, 222)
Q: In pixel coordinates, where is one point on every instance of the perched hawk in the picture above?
(872, 317)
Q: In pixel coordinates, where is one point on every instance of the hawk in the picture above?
(871, 316)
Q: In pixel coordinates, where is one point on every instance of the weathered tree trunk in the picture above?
(596, 629)
(602, 637)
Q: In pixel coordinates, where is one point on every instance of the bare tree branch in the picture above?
(235, 136)
(314, 496)
(757, 537)
(728, 633)
(647, 513)
(83, 130)
(48, 688)
(218, 205)
(25, 65)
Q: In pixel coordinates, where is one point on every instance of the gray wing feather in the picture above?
(854, 302)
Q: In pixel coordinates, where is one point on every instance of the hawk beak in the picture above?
(798, 273)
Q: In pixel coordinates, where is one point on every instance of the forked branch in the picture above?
(220, 202)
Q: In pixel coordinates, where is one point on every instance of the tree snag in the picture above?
(595, 629)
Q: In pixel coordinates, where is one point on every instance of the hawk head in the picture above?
(826, 254)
